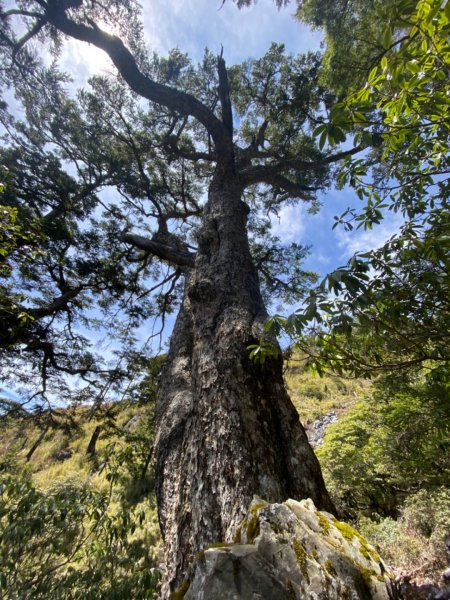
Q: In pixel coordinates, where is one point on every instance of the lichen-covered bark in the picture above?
(226, 428)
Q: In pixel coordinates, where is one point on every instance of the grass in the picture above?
(315, 396)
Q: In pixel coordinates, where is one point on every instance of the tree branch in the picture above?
(167, 252)
(175, 100)
(40, 23)
(194, 155)
(271, 176)
(56, 306)
(224, 95)
(268, 173)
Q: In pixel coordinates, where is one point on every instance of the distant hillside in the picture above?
(321, 400)
(78, 441)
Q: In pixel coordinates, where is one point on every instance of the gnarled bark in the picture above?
(226, 428)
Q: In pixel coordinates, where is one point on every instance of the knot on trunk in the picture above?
(202, 291)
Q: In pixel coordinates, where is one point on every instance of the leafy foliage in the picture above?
(417, 541)
(393, 319)
(65, 543)
(79, 520)
(387, 310)
(375, 457)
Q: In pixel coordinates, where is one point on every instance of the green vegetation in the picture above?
(414, 543)
(315, 396)
(385, 462)
(376, 455)
(387, 310)
(385, 314)
(373, 461)
(300, 553)
(77, 504)
(78, 525)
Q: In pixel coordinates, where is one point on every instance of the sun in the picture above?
(83, 60)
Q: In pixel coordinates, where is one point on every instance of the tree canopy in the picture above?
(111, 264)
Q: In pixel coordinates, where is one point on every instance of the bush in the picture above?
(66, 543)
(416, 543)
(390, 445)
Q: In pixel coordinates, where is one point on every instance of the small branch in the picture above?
(271, 176)
(27, 37)
(172, 143)
(268, 173)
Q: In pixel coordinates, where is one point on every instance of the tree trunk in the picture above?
(91, 448)
(226, 428)
(36, 444)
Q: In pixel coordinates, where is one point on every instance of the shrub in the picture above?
(66, 543)
(391, 444)
(416, 542)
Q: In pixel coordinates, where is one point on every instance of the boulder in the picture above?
(62, 455)
(289, 551)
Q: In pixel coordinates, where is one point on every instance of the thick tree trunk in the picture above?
(226, 428)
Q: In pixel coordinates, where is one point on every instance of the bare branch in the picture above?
(224, 95)
(168, 252)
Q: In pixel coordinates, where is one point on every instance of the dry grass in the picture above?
(315, 396)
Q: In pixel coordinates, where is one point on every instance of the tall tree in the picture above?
(225, 426)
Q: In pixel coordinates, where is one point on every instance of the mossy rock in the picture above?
(291, 551)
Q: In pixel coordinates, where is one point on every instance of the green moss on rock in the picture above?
(363, 583)
(346, 530)
(329, 567)
(238, 535)
(323, 521)
(349, 533)
(201, 555)
(180, 593)
(290, 591)
(252, 529)
(257, 505)
(346, 593)
(300, 553)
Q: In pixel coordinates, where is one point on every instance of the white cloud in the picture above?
(361, 241)
(193, 25)
(289, 226)
(83, 60)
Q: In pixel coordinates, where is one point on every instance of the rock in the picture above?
(133, 421)
(62, 455)
(316, 430)
(427, 590)
(289, 551)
